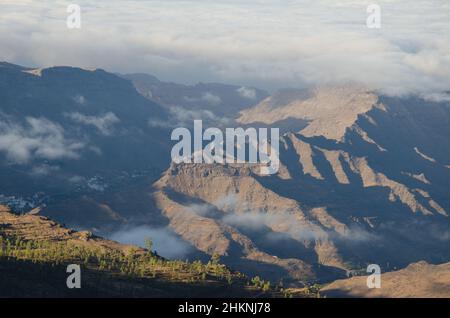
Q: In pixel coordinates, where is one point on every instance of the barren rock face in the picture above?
(421, 280)
(328, 111)
(353, 188)
(363, 177)
(225, 199)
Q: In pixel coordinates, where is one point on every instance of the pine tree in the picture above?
(148, 244)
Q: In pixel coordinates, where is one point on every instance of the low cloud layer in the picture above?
(183, 117)
(207, 97)
(246, 92)
(271, 44)
(165, 242)
(257, 221)
(239, 215)
(103, 123)
(38, 138)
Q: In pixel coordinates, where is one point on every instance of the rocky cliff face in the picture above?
(363, 179)
(328, 111)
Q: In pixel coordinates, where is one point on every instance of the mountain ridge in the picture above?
(363, 177)
(321, 175)
(33, 245)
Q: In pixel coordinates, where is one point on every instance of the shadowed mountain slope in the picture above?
(78, 141)
(364, 178)
(214, 103)
(354, 187)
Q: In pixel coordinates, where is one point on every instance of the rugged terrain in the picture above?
(72, 138)
(418, 280)
(215, 103)
(34, 253)
(364, 177)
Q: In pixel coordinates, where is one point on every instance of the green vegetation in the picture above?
(106, 271)
(37, 267)
(313, 290)
(261, 284)
(148, 244)
(134, 263)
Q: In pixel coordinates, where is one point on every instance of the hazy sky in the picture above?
(263, 43)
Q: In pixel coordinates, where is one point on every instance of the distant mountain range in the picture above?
(72, 137)
(215, 102)
(364, 178)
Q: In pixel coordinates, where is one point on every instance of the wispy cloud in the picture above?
(182, 117)
(37, 138)
(103, 123)
(246, 92)
(44, 170)
(240, 215)
(207, 97)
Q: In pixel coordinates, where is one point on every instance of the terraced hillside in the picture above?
(35, 252)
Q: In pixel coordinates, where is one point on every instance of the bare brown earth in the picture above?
(418, 280)
(41, 228)
(328, 110)
(234, 192)
(199, 199)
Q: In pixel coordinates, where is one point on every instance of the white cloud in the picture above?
(259, 220)
(182, 117)
(44, 170)
(39, 138)
(165, 242)
(77, 179)
(258, 43)
(211, 99)
(79, 99)
(252, 219)
(437, 97)
(207, 97)
(103, 123)
(246, 92)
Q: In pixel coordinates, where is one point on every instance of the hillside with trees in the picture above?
(35, 252)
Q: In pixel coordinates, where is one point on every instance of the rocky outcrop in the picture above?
(329, 111)
(418, 280)
(232, 198)
(337, 194)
